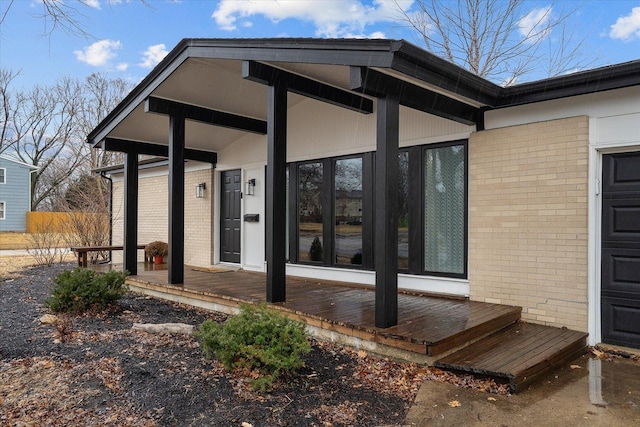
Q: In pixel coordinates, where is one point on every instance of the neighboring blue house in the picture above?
(15, 194)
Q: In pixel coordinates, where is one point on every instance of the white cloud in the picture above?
(99, 53)
(92, 3)
(153, 55)
(534, 25)
(627, 27)
(332, 18)
(123, 66)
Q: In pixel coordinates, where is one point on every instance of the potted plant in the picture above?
(158, 250)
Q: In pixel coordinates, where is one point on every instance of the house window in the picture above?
(334, 198)
(348, 211)
(3, 176)
(3, 207)
(444, 210)
(310, 215)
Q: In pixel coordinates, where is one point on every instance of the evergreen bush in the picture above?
(82, 289)
(258, 339)
(315, 252)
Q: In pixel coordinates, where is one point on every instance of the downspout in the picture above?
(104, 176)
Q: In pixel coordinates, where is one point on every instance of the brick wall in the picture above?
(153, 215)
(528, 219)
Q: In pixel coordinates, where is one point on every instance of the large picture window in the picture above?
(334, 199)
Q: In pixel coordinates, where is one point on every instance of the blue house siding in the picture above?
(14, 194)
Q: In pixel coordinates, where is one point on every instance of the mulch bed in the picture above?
(95, 370)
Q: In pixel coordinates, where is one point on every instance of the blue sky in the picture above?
(128, 38)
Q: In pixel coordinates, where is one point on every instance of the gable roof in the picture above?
(18, 162)
(207, 73)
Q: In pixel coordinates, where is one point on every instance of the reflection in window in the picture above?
(348, 211)
(444, 209)
(310, 212)
(403, 210)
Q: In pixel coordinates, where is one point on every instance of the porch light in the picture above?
(251, 187)
(200, 190)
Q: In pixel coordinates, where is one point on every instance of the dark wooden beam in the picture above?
(205, 115)
(266, 74)
(276, 192)
(176, 199)
(130, 255)
(386, 212)
(375, 83)
(126, 146)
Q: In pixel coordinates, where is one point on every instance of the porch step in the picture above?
(521, 353)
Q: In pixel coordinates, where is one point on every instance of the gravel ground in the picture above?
(95, 370)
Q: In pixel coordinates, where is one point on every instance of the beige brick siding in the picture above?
(528, 219)
(153, 215)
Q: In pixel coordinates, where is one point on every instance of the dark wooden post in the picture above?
(386, 210)
(276, 191)
(176, 199)
(130, 254)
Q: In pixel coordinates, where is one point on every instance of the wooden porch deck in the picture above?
(451, 333)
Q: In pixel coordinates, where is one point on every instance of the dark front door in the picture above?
(230, 216)
(621, 249)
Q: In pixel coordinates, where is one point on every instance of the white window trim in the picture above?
(3, 212)
(4, 176)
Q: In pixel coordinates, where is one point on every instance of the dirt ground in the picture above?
(95, 370)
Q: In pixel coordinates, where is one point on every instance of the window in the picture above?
(348, 211)
(3, 206)
(334, 198)
(3, 176)
(310, 218)
(444, 210)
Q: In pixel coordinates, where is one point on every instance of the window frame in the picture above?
(3, 211)
(3, 176)
(416, 223)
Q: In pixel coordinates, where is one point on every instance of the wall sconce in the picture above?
(200, 190)
(250, 187)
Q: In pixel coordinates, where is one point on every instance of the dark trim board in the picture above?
(135, 147)
(205, 115)
(266, 74)
(375, 83)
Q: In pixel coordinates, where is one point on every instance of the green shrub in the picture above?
(82, 289)
(315, 252)
(258, 339)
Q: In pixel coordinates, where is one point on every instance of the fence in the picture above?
(61, 222)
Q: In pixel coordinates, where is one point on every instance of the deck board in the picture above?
(428, 324)
(520, 353)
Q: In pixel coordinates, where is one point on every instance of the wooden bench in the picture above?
(82, 252)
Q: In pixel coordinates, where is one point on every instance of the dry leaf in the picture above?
(454, 404)
(598, 353)
(576, 367)
(362, 354)
(246, 424)
(491, 399)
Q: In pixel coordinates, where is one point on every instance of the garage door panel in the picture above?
(621, 321)
(621, 219)
(621, 172)
(621, 271)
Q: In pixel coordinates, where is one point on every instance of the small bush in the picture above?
(315, 252)
(83, 289)
(258, 339)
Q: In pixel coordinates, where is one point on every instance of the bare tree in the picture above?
(44, 128)
(56, 14)
(8, 106)
(497, 39)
